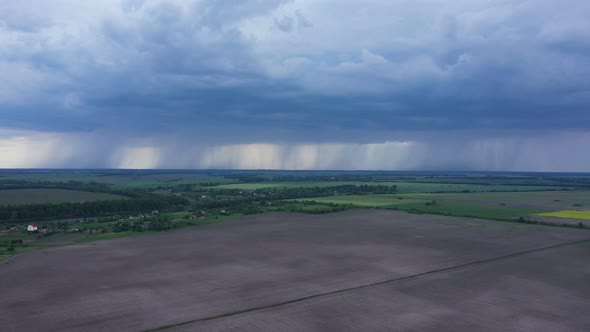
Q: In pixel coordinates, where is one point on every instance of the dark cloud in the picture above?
(285, 24)
(227, 72)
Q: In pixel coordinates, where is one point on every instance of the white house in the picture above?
(32, 228)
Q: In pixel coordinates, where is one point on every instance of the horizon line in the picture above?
(284, 170)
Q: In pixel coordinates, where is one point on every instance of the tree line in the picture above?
(248, 202)
(88, 209)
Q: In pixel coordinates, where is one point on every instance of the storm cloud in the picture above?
(462, 84)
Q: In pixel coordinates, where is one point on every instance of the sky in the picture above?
(490, 85)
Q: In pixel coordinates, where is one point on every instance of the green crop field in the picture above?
(366, 200)
(568, 214)
(463, 210)
(38, 196)
(516, 203)
(159, 180)
(4, 254)
(541, 200)
(126, 182)
(254, 186)
(434, 204)
(109, 236)
(402, 187)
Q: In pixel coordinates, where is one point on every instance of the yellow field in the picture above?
(568, 214)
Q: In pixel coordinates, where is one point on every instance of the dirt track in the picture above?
(165, 279)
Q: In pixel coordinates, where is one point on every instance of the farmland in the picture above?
(486, 205)
(95, 197)
(403, 187)
(548, 200)
(475, 298)
(551, 200)
(122, 181)
(39, 196)
(367, 200)
(291, 251)
(352, 267)
(568, 214)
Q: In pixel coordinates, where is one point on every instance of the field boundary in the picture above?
(383, 282)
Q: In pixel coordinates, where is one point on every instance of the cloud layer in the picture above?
(299, 84)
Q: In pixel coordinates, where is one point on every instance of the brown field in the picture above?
(39, 196)
(517, 294)
(355, 270)
(560, 221)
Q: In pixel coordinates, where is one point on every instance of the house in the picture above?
(32, 228)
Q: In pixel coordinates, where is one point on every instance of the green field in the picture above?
(122, 182)
(6, 238)
(542, 200)
(365, 200)
(17, 251)
(402, 187)
(230, 180)
(108, 236)
(568, 214)
(444, 204)
(471, 211)
(39, 196)
(159, 180)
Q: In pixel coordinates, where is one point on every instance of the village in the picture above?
(147, 221)
(138, 222)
